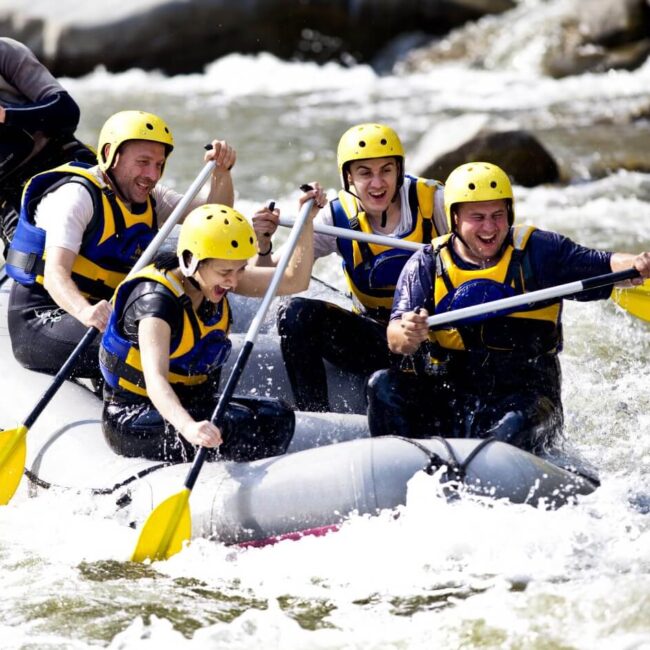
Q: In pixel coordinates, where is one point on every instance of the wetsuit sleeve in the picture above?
(556, 259)
(56, 115)
(149, 300)
(415, 284)
(40, 103)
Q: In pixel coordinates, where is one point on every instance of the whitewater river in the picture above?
(461, 575)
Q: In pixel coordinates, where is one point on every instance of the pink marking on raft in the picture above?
(314, 532)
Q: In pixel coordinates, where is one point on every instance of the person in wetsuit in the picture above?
(81, 230)
(377, 197)
(38, 119)
(163, 349)
(483, 377)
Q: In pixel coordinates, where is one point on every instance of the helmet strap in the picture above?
(384, 218)
(194, 283)
(188, 264)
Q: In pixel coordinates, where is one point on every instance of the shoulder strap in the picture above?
(520, 273)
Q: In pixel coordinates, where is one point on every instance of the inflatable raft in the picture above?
(331, 470)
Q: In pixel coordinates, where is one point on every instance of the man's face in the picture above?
(375, 182)
(137, 168)
(483, 227)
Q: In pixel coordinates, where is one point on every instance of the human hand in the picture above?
(223, 155)
(414, 328)
(202, 433)
(265, 223)
(96, 315)
(642, 264)
(316, 192)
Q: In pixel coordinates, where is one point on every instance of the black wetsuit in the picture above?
(34, 316)
(312, 331)
(35, 103)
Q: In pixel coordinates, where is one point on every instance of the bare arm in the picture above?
(255, 279)
(65, 293)
(154, 336)
(265, 223)
(221, 185)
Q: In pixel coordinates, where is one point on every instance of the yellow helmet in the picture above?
(214, 231)
(369, 140)
(131, 125)
(477, 181)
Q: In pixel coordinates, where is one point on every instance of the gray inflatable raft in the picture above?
(331, 470)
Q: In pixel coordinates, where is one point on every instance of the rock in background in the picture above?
(578, 36)
(72, 37)
(478, 137)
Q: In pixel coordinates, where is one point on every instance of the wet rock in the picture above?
(604, 35)
(184, 36)
(613, 22)
(517, 152)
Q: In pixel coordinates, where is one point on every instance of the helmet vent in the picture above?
(472, 186)
(235, 244)
(149, 126)
(362, 143)
(226, 222)
(383, 141)
(493, 184)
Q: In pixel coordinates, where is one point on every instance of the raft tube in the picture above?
(331, 470)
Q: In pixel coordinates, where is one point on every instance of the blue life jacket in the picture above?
(112, 243)
(536, 330)
(195, 352)
(372, 270)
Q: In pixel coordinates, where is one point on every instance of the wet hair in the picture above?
(166, 261)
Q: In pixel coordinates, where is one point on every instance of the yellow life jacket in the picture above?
(372, 270)
(196, 350)
(112, 243)
(537, 329)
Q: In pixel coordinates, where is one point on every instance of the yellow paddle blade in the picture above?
(636, 300)
(165, 530)
(13, 451)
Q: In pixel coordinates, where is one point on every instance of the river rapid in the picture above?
(470, 574)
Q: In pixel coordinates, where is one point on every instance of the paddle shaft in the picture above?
(249, 341)
(358, 235)
(532, 297)
(484, 308)
(145, 258)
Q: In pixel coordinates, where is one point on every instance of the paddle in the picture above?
(531, 298)
(635, 299)
(371, 238)
(12, 441)
(170, 523)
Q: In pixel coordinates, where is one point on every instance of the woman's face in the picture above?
(216, 277)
